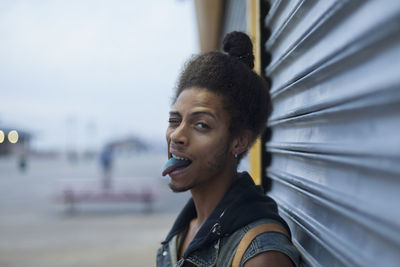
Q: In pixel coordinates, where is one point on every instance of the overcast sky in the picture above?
(80, 72)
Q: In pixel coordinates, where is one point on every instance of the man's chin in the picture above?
(178, 189)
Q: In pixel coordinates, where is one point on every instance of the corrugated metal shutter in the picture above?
(335, 169)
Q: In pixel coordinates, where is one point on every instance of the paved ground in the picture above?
(35, 230)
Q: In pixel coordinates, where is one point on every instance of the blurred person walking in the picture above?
(106, 161)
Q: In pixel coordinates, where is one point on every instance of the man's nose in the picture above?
(179, 135)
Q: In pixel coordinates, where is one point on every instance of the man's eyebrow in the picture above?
(196, 113)
(174, 113)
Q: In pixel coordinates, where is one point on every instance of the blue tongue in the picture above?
(170, 162)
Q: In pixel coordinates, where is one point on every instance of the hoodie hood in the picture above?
(242, 204)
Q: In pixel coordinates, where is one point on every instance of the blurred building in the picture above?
(331, 156)
(14, 141)
(127, 146)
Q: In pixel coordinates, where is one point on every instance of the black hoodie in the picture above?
(242, 204)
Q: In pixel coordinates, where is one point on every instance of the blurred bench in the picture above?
(75, 191)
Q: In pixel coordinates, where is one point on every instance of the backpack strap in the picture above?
(251, 235)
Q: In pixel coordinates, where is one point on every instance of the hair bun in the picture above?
(238, 44)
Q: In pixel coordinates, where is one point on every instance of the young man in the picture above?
(221, 106)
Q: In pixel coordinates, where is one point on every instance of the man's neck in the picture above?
(207, 197)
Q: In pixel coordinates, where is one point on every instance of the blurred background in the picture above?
(85, 90)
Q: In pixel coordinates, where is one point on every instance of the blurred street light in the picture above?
(13, 136)
(1, 136)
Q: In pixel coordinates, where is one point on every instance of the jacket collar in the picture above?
(242, 204)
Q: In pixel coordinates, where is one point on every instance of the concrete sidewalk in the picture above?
(84, 240)
(36, 231)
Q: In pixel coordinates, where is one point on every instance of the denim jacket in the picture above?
(221, 253)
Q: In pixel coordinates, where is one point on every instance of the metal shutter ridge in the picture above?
(335, 145)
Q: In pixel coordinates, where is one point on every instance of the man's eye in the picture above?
(173, 121)
(202, 125)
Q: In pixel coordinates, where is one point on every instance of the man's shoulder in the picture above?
(267, 241)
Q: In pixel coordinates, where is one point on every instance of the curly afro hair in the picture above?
(245, 94)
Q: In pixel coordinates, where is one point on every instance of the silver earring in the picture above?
(235, 156)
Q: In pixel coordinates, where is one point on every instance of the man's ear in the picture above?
(241, 142)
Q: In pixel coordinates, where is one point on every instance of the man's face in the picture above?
(198, 131)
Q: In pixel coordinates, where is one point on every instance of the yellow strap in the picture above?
(253, 233)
